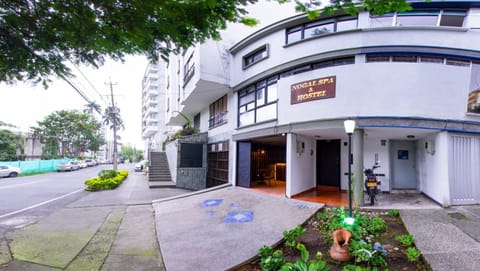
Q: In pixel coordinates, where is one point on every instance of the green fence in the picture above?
(36, 166)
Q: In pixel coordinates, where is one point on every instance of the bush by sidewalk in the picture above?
(107, 179)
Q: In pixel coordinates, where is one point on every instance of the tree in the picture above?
(112, 118)
(91, 107)
(69, 132)
(37, 37)
(8, 146)
(314, 8)
(126, 152)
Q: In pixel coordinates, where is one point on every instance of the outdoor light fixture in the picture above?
(349, 128)
(349, 220)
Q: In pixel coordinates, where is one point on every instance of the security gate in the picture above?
(464, 169)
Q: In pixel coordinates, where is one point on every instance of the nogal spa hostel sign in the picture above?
(316, 89)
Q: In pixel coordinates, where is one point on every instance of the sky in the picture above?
(23, 104)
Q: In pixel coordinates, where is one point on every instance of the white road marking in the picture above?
(19, 184)
(40, 204)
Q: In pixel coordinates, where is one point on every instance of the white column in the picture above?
(357, 166)
(288, 168)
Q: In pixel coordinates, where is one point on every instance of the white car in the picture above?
(140, 166)
(9, 171)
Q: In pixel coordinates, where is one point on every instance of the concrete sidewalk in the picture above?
(221, 229)
(449, 239)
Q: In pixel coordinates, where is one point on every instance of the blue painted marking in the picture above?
(302, 206)
(239, 217)
(211, 202)
(210, 213)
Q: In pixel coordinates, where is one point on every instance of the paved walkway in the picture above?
(449, 239)
(223, 228)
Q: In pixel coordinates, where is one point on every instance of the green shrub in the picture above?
(270, 259)
(106, 180)
(376, 225)
(292, 237)
(412, 254)
(107, 174)
(394, 213)
(405, 240)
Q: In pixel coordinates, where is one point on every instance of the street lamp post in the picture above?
(349, 128)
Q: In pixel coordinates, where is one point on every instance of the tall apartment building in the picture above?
(153, 101)
(274, 102)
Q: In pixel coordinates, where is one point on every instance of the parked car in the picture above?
(140, 166)
(65, 166)
(82, 164)
(9, 171)
(75, 165)
(90, 162)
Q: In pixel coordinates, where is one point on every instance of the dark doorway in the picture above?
(328, 162)
(244, 163)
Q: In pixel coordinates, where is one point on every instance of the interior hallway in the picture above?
(330, 196)
(327, 195)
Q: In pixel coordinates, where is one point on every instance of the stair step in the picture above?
(169, 184)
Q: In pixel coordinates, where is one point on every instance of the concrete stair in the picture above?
(159, 172)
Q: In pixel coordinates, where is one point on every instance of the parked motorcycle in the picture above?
(371, 183)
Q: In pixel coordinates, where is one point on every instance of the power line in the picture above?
(89, 82)
(76, 89)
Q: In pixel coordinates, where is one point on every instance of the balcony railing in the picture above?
(218, 119)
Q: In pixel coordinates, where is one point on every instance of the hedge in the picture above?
(107, 179)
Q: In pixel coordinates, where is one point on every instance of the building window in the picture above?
(196, 122)
(188, 69)
(255, 56)
(218, 113)
(320, 27)
(453, 18)
(418, 59)
(258, 102)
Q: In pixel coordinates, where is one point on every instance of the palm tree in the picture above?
(91, 106)
(112, 117)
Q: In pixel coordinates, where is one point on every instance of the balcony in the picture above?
(151, 109)
(149, 131)
(152, 121)
(152, 102)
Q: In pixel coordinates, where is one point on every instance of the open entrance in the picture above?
(261, 164)
(328, 163)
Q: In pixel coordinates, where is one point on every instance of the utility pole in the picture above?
(114, 123)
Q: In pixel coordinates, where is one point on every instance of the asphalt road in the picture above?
(23, 193)
(26, 200)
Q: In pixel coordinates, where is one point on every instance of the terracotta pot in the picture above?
(339, 250)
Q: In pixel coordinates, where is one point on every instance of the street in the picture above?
(25, 200)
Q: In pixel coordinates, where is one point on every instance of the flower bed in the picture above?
(379, 241)
(106, 180)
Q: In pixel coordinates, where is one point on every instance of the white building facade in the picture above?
(153, 101)
(277, 99)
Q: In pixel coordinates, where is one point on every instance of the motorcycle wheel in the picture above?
(371, 194)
